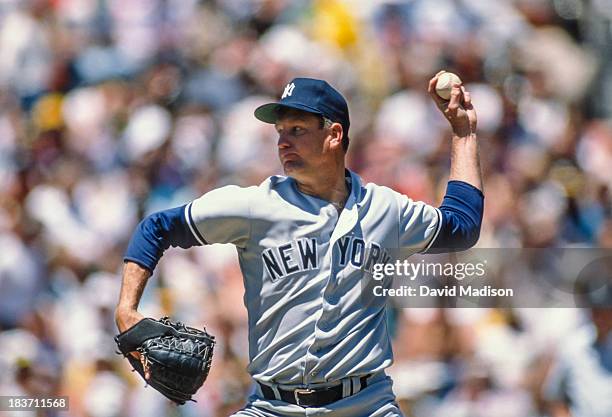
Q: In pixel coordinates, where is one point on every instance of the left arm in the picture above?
(460, 113)
(462, 208)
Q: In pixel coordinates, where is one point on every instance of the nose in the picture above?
(283, 141)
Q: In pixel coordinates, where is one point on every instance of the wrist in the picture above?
(126, 317)
(464, 135)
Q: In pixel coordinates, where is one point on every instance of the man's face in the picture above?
(303, 146)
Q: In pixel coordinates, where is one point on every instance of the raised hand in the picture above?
(458, 110)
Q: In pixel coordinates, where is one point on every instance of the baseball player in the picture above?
(303, 240)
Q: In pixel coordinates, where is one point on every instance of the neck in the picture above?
(330, 186)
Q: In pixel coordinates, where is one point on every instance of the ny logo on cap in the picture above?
(288, 90)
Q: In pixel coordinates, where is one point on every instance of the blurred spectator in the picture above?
(110, 110)
(580, 382)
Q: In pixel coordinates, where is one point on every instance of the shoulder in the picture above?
(226, 199)
(277, 187)
(375, 201)
(228, 192)
(381, 194)
(366, 191)
(371, 192)
(379, 190)
(234, 197)
(275, 182)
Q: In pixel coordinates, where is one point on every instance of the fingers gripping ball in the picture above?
(175, 359)
(445, 83)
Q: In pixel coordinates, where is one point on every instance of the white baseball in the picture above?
(445, 84)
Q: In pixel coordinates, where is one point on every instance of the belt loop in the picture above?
(356, 383)
(346, 387)
(276, 392)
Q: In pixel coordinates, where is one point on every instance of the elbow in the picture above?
(470, 238)
(146, 245)
(457, 232)
(463, 240)
(468, 233)
(461, 211)
(156, 233)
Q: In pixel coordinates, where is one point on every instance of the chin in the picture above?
(292, 169)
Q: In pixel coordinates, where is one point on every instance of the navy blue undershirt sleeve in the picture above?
(156, 233)
(461, 210)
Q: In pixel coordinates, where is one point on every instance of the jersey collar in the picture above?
(349, 216)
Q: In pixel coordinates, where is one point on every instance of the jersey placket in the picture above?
(344, 225)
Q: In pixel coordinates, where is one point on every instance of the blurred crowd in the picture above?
(114, 109)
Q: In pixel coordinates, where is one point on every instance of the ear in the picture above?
(336, 134)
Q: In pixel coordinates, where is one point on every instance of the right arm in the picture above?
(152, 237)
(134, 280)
(219, 216)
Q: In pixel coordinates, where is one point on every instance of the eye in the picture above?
(297, 130)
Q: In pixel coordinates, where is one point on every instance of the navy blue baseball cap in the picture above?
(311, 95)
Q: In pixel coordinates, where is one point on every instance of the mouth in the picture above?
(289, 157)
(290, 161)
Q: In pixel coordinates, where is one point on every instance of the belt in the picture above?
(305, 397)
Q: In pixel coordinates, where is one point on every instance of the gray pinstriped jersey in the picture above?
(302, 263)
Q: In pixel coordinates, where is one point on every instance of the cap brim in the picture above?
(268, 113)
